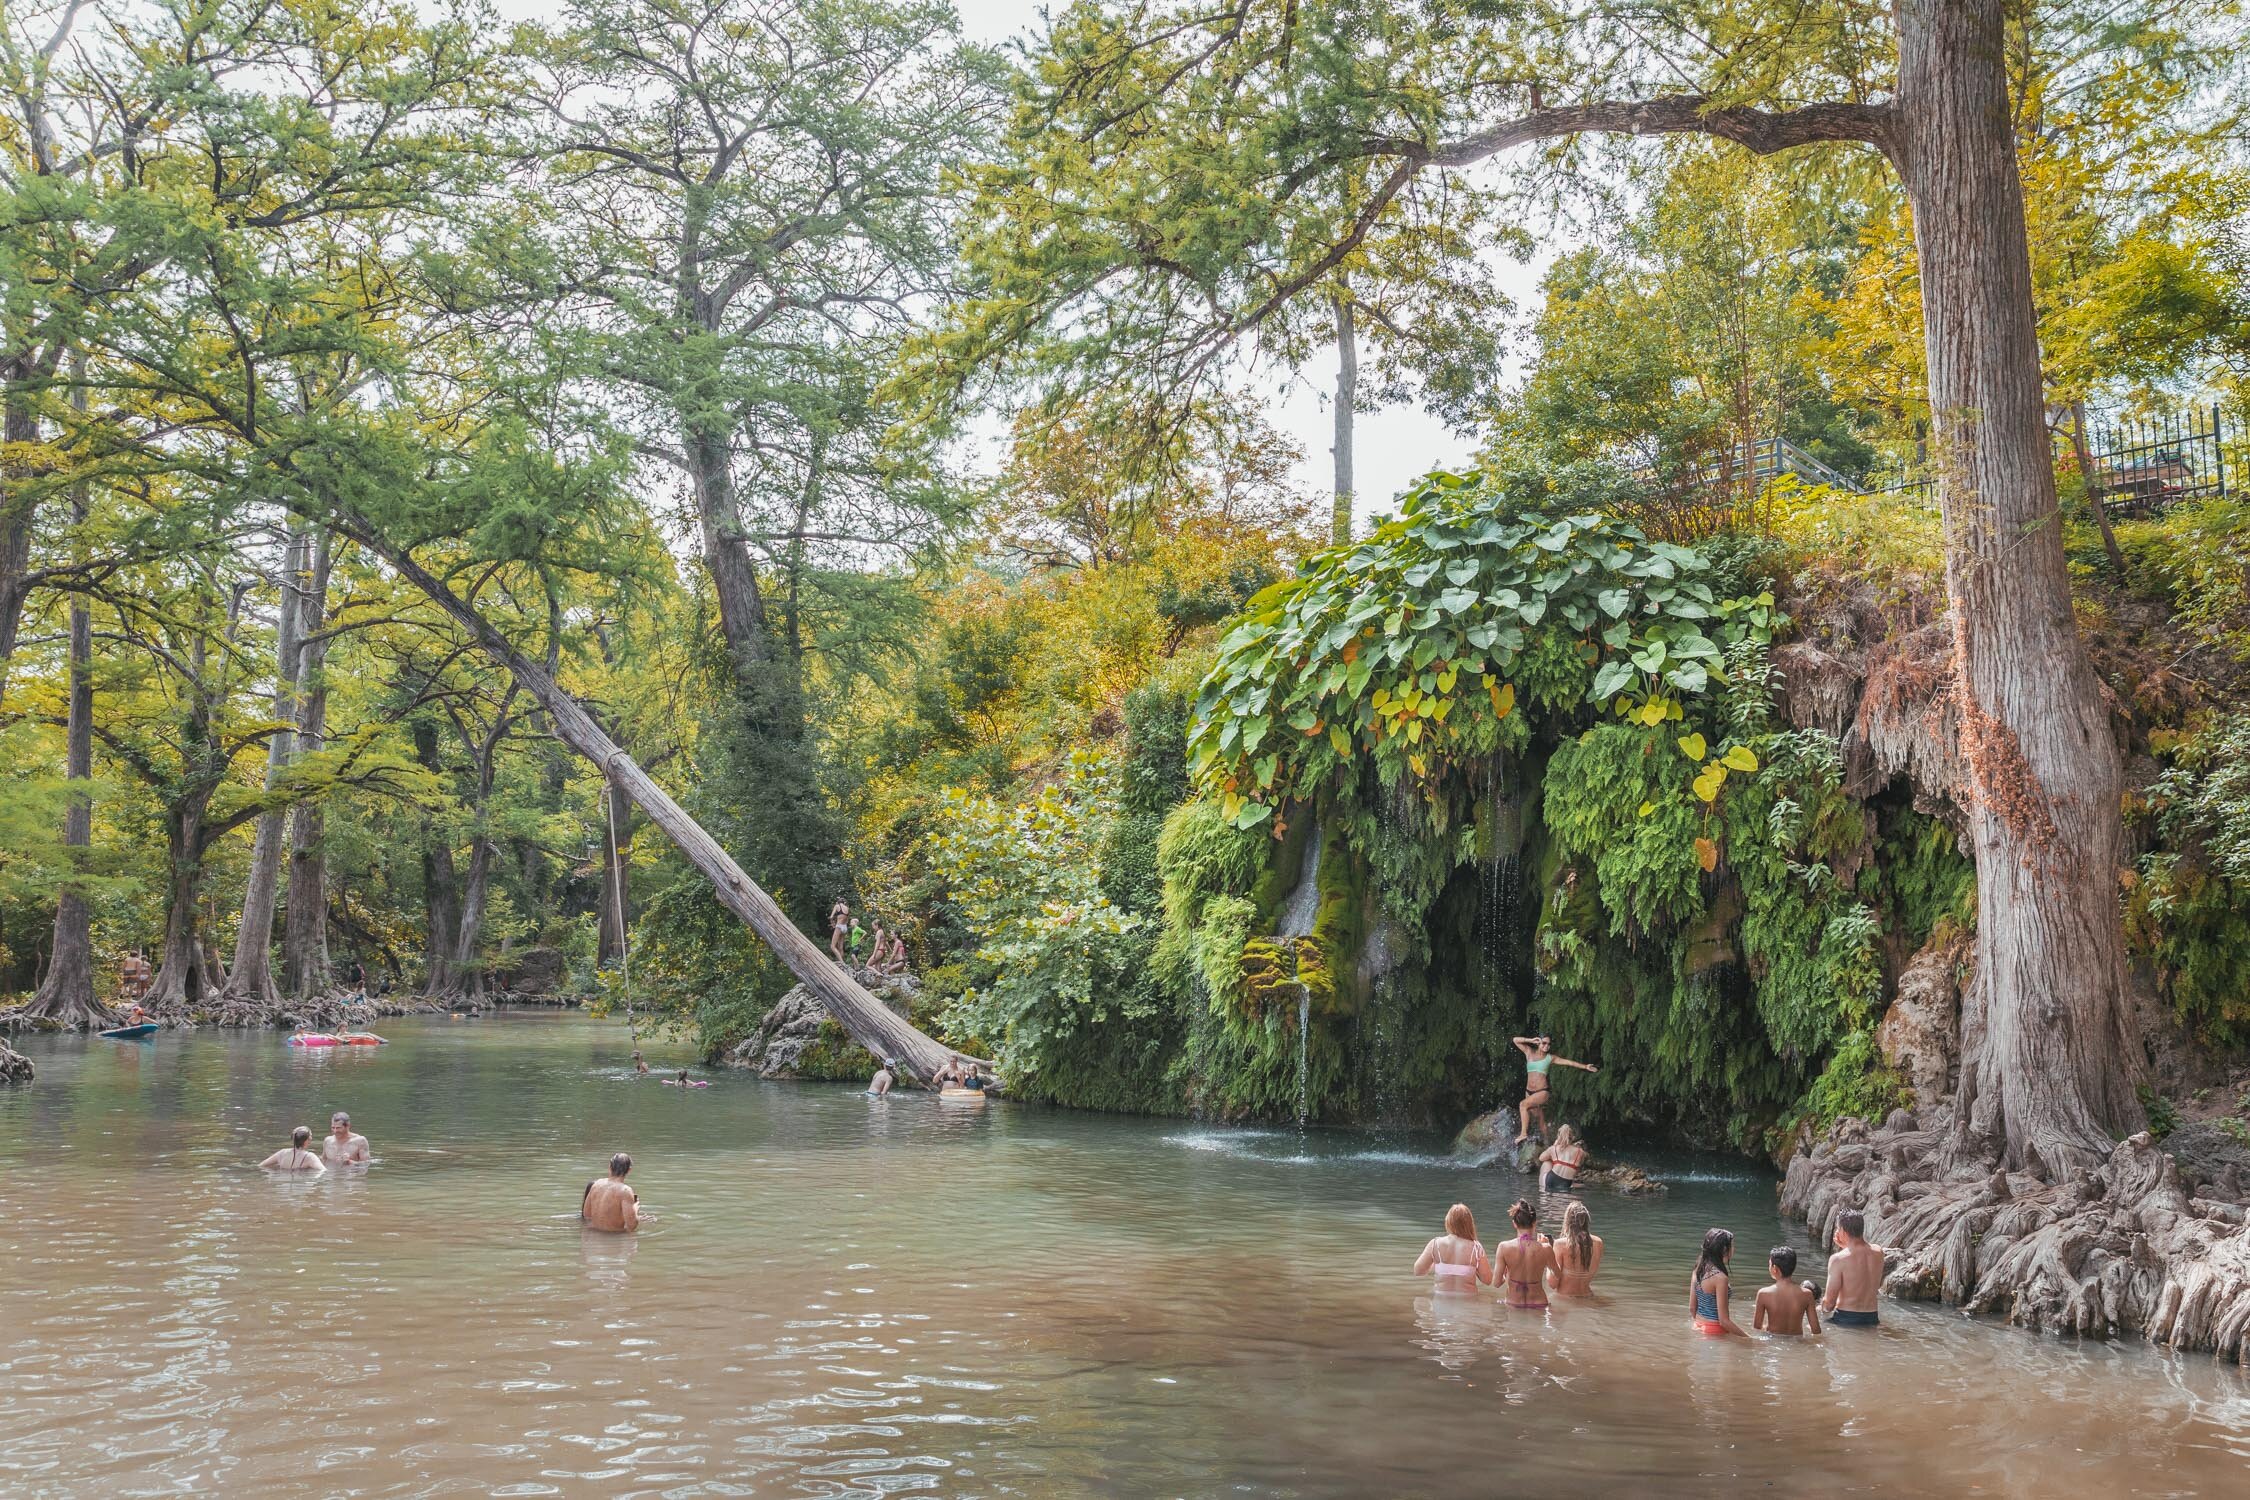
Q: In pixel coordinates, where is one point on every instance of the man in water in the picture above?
(342, 1148)
(298, 1158)
(609, 1204)
(1785, 1306)
(1855, 1274)
(640, 1066)
(881, 1083)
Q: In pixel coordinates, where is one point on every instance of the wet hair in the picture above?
(620, 1164)
(1784, 1261)
(1564, 1135)
(1460, 1223)
(1578, 1223)
(1853, 1223)
(1522, 1214)
(683, 1075)
(299, 1136)
(1718, 1244)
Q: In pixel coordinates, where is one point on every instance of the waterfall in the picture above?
(1303, 906)
(1304, 1056)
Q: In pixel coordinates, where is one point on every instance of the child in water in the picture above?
(1709, 1288)
(685, 1082)
(1786, 1307)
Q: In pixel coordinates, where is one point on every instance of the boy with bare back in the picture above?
(609, 1204)
(1855, 1274)
(1786, 1306)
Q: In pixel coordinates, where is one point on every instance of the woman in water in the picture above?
(1456, 1257)
(1578, 1254)
(1709, 1288)
(1559, 1163)
(1526, 1260)
(1538, 1057)
(296, 1158)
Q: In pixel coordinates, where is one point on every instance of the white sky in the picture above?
(1393, 446)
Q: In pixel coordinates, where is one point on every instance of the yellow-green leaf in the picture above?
(1504, 701)
(1652, 712)
(1340, 740)
(1647, 808)
(1707, 785)
(1692, 746)
(1741, 758)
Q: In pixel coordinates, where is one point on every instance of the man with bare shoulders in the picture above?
(609, 1204)
(342, 1148)
(1787, 1305)
(1855, 1274)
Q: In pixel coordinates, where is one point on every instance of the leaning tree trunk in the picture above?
(2048, 1062)
(616, 916)
(1347, 403)
(867, 1019)
(20, 429)
(66, 998)
(252, 977)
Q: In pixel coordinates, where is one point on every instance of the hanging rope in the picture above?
(617, 891)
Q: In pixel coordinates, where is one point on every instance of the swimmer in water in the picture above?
(297, 1158)
(1457, 1256)
(1855, 1274)
(1526, 1260)
(341, 1147)
(881, 1083)
(609, 1204)
(1709, 1288)
(1578, 1254)
(1786, 1306)
(640, 1066)
(682, 1081)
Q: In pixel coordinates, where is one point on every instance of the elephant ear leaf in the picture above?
(1692, 746)
(1706, 855)
(1740, 758)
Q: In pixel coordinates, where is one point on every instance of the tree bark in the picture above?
(2085, 454)
(868, 1020)
(17, 426)
(2048, 1062)
(66, 997)
(304, 935)
(252, 976)
(616, 915)
(1347, 401)
(441, 893)
(181, 983)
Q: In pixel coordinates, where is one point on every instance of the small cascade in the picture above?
(1299, 912)
(1304, 1055)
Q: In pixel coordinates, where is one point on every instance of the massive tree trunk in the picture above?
(2049, 1063)
(66, 998)
(468, 963)
(1347, 402)
(867, 1019)
(181, 983)
(252, 976)
(304, 934)
(616, 916)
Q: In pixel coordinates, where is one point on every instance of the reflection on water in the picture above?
(843, 1297)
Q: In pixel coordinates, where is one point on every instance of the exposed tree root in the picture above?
(14, 1066)
(2128, 1247)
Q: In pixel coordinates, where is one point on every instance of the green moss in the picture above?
(834, 1057)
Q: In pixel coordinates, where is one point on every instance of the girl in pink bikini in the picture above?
(1456, 1257)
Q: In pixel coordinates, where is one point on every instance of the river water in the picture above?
(840, 1297)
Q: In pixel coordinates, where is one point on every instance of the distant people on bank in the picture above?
(881, 1083)
(1787, 1306)
(1456, 1258)
(608, 1203)
(133, 977)
(1560, 1163)
(300, 1157)
(1538, 1056)
(1709, 1289)
(342, 1147)
(1526, 1260)
(880, 952)
(895, 962)
(1855, 1274)
(856, 945)
(839, 929)
(640, 1065)
(1578, 1254)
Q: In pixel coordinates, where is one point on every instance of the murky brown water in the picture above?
(842, 1298)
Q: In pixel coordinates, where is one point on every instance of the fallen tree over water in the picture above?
(870, 1022)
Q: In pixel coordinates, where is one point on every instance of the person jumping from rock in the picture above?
(1538, 1057)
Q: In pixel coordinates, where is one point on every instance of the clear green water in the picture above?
(846, 1298)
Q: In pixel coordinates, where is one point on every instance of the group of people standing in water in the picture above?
(1534, 1267)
